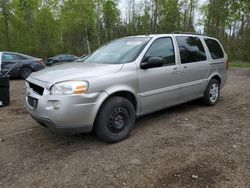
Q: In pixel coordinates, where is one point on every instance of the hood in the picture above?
(74, 71)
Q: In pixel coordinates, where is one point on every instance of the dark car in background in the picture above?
(82, 58)
(19, 65)
(61, 59)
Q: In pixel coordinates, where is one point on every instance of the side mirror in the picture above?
(152, 63)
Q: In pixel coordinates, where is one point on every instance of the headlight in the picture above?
(69, 87)
(27, 86)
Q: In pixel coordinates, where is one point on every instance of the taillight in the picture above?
(41, 62)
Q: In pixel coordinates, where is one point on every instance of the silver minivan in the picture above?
(125, 79)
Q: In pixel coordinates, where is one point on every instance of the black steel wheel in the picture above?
(115, 120)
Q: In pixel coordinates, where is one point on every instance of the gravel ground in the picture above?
(186, 146)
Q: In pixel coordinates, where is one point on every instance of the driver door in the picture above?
(159, 86)
(8, 62)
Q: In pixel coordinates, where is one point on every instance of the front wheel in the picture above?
(212, 93)
(115, 120)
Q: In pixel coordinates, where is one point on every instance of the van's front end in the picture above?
(68, 97)
(63, 101)
(64, 112)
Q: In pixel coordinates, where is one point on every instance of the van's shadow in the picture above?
(182, 108)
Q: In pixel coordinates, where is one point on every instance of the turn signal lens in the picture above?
(80, 89)
(69, 88)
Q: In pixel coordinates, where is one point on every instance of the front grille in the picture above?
(32, 102)
(36, 88)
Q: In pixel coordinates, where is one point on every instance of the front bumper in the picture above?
(65, 130)
(76, 113)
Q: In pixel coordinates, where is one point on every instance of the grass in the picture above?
(239, 64)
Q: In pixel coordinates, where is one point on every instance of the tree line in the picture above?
(44, 28)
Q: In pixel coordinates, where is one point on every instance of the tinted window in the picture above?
(70, 57)
(61, 56)
(19, 57)
(191, 49)
(12, 57)
(9, 57)
(214, 49)
(164, 48)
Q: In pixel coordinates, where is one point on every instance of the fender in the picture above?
(216, 73)
(104, 95)
(125, 88)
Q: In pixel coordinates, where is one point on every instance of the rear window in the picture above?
(214, 48)
(191, 49)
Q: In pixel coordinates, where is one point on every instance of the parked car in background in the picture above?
(82, 58)
(60, 59)
(125, 79)
(19, 65)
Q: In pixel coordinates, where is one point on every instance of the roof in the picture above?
(11, 52)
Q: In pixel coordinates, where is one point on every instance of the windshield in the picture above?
(120, 51)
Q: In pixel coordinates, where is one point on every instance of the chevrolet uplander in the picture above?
(125, 79)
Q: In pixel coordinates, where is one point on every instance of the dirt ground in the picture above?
(186, 146)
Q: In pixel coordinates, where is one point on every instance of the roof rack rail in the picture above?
(189, 33)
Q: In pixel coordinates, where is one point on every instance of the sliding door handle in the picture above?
(175, 69)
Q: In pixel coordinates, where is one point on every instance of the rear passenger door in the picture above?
(194, 66)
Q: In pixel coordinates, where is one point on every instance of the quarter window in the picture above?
(214, 48)
(191, 49)
(164, 48)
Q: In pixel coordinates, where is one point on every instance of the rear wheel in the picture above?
(212, 93)
(115, 120)
(25, 72)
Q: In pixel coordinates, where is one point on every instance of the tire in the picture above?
(25, 72)
(212, 93)
(115, 120)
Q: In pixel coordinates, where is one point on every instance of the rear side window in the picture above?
(214, 48)
(191, 49)
(162, 47)
(19, 57)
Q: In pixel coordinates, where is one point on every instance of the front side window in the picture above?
(214, 48)
(119, 51)
(191, 49)
(164, 48)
